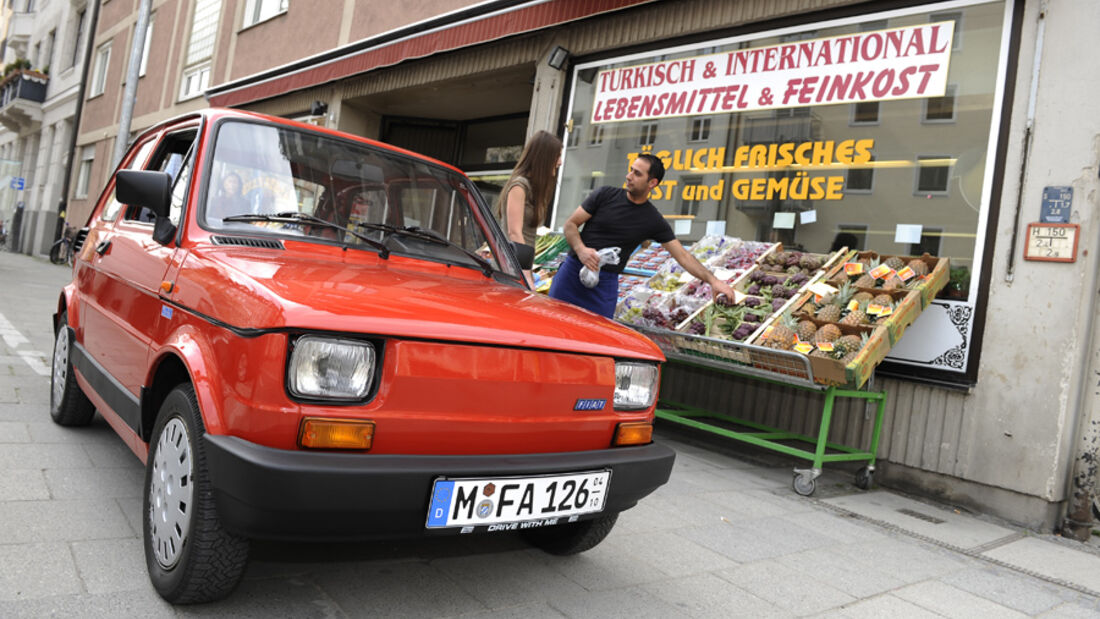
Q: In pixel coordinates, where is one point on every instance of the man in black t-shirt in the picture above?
(624, 218)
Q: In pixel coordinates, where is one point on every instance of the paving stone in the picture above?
(785, 587)
(52, 521)
(14, 432)
(534, 610)
(689, 510)
(634, 602)
(826, 566)
(1077, 566)
(760, 503)
(13, 411)
(42, 456)
(394, 589)
(1011, 589)
(707, 595)
(23, 485)
(836, 526)
(1071, 611)
(949, 601)
(671, 554)
(36, 570)
(131, 510)
(95, 483)
(126, 605)
(906, 559)
(599, 569)
(46, 431)
(879, 607)
(111, 454)
(109, 566)
(510, 579)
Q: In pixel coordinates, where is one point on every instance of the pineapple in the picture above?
(861, 297)
(865, 280)
(918, 266)
(894, 283)
(831, 307)
(806, 329)
(821, 354)
(848, 344)
(857, 316)
(883, 300)
(828, 312)
(848, 358)
(827, 333)
(895, 263)
(783, 333)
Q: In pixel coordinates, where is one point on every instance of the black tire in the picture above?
(68, 404)
(55, 254)
(572, 538)
(191, 558)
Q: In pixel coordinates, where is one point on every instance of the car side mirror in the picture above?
(148, 188)
(526, 255)
(163, 230)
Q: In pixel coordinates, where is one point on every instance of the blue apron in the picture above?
(567, 286)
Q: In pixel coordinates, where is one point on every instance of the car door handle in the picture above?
(102, 247)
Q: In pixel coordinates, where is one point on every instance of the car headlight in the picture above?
(635, 385)
(331, 368)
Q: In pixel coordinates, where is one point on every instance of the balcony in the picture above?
(21, 95)
(20, 27)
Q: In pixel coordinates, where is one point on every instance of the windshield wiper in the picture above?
(432, 236)
(294, 217)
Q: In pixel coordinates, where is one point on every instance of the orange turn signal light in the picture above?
(319, 433)
(633, 433)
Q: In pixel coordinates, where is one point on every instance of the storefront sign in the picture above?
(898, 63)
(1056, 204)
(1052, 242)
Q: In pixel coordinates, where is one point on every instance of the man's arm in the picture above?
(588, 256)
(692, 265)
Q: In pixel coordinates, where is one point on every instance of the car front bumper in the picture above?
(267, 493)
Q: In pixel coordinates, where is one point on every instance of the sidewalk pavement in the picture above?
(727, 536)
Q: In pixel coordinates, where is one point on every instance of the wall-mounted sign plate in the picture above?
(1051, 242)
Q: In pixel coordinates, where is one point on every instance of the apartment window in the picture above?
(204, 30)
(941, 109)
(700, 129)
(84, 174)
(99, 72)
(860, 180)
(955, 16)
(596, 137)
(691, 207)
(78, 34)
(865, 113)
(933, 172)
(51, 42)
(256, 11)
(648, 135)
(29, 6)
(575, 135)
(929, 242)
(145, 48)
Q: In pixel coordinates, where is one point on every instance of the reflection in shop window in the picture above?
(865, 113)
(933, 172)
(860, 180)
(649, 134)
(596, 137)
(941, 109)
(852, 236)
(700, 130)
(955, 16)
(689, 201)
(575, 135)
(929, 242)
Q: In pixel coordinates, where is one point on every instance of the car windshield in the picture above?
(274, 180)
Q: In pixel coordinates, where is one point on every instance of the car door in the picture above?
(123, 304)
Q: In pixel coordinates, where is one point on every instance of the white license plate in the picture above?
(488, 501)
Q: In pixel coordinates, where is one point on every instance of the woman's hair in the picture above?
(538, 164)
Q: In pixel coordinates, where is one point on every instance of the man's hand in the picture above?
(721, 288)
(589, 258)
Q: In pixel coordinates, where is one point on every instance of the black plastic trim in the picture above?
(122, 402)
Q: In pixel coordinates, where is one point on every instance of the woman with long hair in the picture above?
(526, 196)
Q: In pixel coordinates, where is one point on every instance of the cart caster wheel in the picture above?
(864, 477)
(804, 484)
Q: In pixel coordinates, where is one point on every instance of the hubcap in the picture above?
(171, 493)
(60, 365)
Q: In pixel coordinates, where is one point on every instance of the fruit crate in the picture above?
(907, 306)
(929, 285)
(782, 367)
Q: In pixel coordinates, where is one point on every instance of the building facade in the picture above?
(941, 127)
(44, 50)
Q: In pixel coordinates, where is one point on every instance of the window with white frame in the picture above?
(700, 130)
(941, 109)
(648, 135)
(78, 34)
(200, 48)
(256, 11)
(84, 174)
(145, 47)
(933, 174)
(575, 135)
(595, 138)
(99, 72)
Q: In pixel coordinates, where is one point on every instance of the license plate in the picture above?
(491, 501)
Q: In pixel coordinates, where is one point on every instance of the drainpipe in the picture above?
(63, 204)
(122, 140)
(1029, 126)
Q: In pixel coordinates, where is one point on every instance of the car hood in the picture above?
(355, 291)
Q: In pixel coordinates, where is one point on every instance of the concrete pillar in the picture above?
(546, 98)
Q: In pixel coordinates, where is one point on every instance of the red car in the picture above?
(305, 334)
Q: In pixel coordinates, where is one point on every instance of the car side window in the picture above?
(110, 212)
(172, 156)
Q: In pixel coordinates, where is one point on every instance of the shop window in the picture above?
(955, 16)
(595, 137)
(929, 242)
(941, 109)
(648, 135)
(860, 180)
(700, 130)
(933, 173)
(99, 72)
(865, 113)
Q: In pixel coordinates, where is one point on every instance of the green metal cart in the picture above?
(776, 366)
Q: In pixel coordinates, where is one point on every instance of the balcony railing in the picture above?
(22, 93)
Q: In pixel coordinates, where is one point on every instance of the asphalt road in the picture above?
(726, 537)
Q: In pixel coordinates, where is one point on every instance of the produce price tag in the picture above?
(767, 332)
(874, 309)
(853, 305)
(822, 289)
(881, 272)
(804, 347)
(886, 311)
(686, 277)
(906, 274)
(853, 268)
(739, 297)
(825, 346)
(725, 274)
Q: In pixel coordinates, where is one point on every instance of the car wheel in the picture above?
(571, 538)
(191, 558)
(68, 404)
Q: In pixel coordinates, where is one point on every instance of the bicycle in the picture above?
(62, 251)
